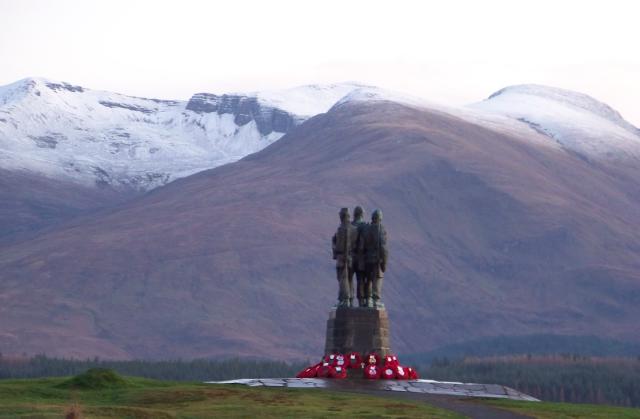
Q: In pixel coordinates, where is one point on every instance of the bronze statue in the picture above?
(359, 267)
(343, 245)
(374, 242)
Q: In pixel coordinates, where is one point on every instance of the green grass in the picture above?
(143, 398)
(546, 410)
(102, 394)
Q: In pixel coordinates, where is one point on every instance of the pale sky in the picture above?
(451, 52)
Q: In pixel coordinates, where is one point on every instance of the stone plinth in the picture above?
(362, 330)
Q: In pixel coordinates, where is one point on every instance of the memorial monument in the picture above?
(357, 346)
(359, 248)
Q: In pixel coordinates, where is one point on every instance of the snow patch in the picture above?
(307, 100)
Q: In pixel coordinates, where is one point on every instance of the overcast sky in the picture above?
(452, 52)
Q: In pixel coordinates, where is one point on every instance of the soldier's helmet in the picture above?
(358, 212)
(344, 213)
(376, 215)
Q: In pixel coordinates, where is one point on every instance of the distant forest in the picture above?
(173, 370)
(560, 378)
(563, 378)
(538, 344)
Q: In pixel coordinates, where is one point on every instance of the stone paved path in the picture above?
(406, 386)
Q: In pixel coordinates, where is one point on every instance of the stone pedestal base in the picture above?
(362, 330)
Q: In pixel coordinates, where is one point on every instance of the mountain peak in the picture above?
(566, 98)
(34, 86)
(41, 82)
(376, 94)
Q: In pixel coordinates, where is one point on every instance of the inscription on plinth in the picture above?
(362, 330)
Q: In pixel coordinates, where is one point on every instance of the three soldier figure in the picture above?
(361, 249)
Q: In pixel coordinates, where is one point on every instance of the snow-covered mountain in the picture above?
(101, 138)
(96, 137)
(575, 121)
(549, 116)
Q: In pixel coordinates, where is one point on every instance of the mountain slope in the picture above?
(30, 202)
(489, 233)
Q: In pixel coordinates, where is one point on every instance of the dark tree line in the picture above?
(539, 344)
(176, 370)
(561, 378)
